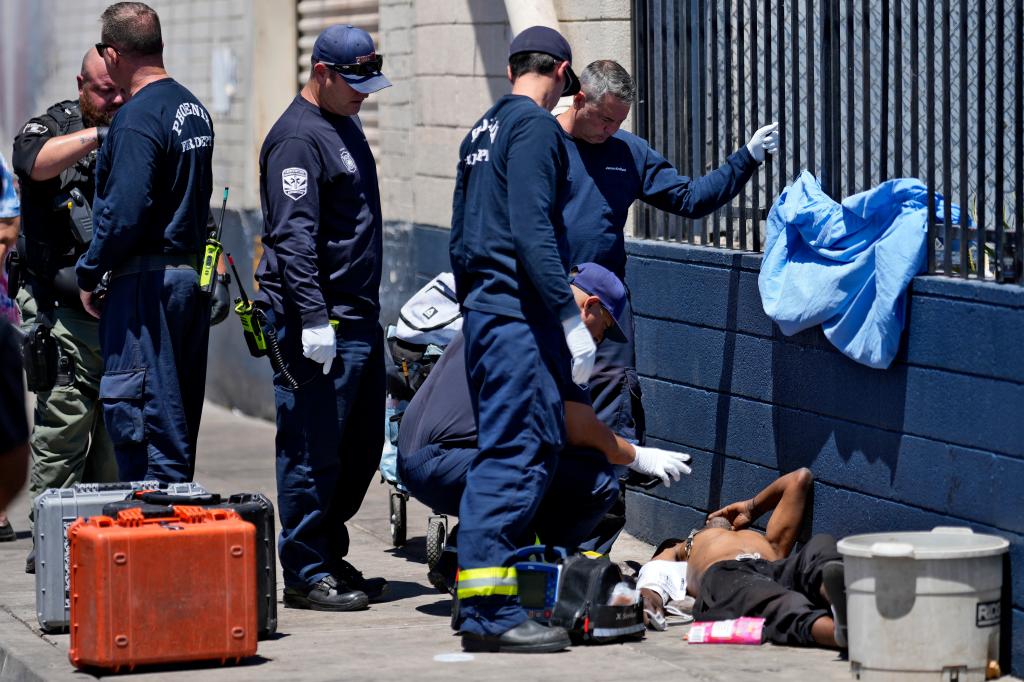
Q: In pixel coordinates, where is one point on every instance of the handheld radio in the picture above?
(208, 272)
(252, 331)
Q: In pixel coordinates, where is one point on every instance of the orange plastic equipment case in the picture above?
(167, 590)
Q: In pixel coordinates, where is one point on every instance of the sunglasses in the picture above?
(100, 47)
(370, 67)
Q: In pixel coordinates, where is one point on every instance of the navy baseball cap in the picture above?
(349, 52)
(601, 282)
(547, 41)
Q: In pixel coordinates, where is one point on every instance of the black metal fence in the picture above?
(863, 90)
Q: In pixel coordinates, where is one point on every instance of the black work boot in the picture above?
(529, 637)
(329, 594)
(833, 577)
(375, 588)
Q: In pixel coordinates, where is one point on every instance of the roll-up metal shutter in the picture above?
(314, 17)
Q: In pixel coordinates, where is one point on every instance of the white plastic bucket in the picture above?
(923, 605)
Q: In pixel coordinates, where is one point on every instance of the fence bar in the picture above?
(769, 169)
(947, 144)
(642, 227)
(729, 146)
(1018, 143)
(696, 122)
(809, 34)
(794, 78)
(851, 106)
(741, 100)
(898, 98)
(827, 80)
(883, 110)
(965, 265)
(700, 142)
(780, 77)
(682, 228)
(915, 80)
(755, 99)
(930, 134)
(716, 152)
(1000, 155)
(982, 109)
(866, 85)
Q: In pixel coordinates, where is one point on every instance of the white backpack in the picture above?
(432, 315)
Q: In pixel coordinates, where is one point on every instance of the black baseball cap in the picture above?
(547, 41)
(351, 52)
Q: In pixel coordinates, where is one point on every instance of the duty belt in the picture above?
(160, 261)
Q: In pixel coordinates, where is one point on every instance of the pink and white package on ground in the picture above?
(738, 631)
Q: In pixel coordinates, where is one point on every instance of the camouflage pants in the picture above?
(69, 442)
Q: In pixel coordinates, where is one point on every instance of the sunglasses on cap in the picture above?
(369, 67)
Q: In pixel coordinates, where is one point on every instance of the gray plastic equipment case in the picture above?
(54, 510)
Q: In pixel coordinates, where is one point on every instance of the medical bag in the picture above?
(162, 590)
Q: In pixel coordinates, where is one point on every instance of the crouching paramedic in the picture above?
(438, 436)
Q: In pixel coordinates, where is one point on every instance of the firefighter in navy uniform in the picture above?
(154, 181)
(524, 334)
(319, 280)
(55, 159)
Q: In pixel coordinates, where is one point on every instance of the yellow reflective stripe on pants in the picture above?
(487, 582)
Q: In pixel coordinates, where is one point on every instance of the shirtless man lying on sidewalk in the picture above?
(733, 571)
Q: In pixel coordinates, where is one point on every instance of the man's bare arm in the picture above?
(63, 152)
(584, 429)
(787, 496)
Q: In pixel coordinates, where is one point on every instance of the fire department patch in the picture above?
(294, 182)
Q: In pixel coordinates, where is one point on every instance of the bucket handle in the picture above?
(893, 550)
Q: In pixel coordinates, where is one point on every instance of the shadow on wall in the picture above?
(495, 56)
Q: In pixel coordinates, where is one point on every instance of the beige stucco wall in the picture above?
(260, 34)
(447, 61)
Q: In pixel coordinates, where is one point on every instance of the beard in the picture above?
(91, 115)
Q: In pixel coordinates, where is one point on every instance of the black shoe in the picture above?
(329, 594)
(30, 561)
(529, 637)
(7, 533)
(833, 577)
(375, 588)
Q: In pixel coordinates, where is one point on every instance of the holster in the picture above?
(46, 363)
(15, 271)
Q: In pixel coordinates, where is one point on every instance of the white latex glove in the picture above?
(319, 345)
(663, 464)
(765, 139)
(582, 347)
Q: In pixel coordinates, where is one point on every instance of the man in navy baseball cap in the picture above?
(547, 41)
(349, 52)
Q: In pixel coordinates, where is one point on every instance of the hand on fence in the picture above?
(765, 139)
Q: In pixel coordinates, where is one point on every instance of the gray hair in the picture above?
(133, 28)
(607, 77)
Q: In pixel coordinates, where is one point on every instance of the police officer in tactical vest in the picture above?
(55, 157)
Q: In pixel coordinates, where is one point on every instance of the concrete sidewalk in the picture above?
(406, 637)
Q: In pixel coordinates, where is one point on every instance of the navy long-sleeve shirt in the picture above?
(605, 179)
(322, 242)
(154, 179)
(508, 245)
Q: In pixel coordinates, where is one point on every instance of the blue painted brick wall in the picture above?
(937, 439)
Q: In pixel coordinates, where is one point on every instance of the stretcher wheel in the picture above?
(436, 537)
(397, 519)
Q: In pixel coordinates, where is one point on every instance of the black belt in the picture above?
(160, 261)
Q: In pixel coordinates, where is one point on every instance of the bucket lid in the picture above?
(942, 542)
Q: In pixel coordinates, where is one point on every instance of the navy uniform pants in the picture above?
(154, 333)
(328, 445)
(512, 369)
(583, 487)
